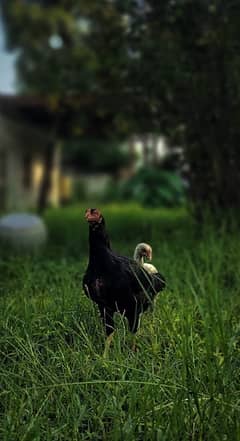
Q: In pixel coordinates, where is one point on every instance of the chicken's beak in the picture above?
(149, 255)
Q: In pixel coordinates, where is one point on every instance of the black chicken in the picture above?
(116, 283)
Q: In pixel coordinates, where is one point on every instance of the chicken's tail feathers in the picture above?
(160, 281)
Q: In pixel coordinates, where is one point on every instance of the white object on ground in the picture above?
(22, 230)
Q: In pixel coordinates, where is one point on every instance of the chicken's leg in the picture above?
(107, 317)
(133, 320)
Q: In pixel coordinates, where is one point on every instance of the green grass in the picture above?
(182, 384)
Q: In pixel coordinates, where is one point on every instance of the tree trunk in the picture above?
(154, 150)
(145, 144)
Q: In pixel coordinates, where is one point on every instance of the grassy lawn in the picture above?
(182, 384)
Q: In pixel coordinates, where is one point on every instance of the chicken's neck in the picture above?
(99, 244)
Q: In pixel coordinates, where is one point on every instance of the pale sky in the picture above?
(7, 69)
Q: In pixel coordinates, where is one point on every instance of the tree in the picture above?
(192, 46)
(92, 155)
(72, 53)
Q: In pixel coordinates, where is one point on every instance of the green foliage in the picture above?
(183, 383)
(154, 187)
(94, 155)
(191, 47)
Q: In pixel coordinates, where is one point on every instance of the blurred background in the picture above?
(120, 100)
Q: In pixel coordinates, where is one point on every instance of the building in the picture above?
(24, 137)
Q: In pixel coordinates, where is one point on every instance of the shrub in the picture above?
(153, 187)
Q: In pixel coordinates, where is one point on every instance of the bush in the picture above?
(97, 156)
(153, 188)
